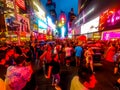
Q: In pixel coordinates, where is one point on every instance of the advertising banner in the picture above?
(24, 23)
(110, 35)
(110, 19)
(91, 26)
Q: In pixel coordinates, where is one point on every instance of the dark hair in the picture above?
(2, 55)
(18, 50)
(84, 73)
(19, 59)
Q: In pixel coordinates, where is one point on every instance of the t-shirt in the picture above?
(56, 67)
(76, 84)
(78, 51)
(17, 77)
(68, 51)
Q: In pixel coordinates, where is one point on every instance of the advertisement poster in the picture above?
(11, 23)
(24, 23)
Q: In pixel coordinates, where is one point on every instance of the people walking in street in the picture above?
(46, 58)
(54, 70)
(78, 54)
(89, 58)
(110, 53)
(68, 54)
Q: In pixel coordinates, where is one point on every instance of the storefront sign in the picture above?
(110, 35)
(97, 35)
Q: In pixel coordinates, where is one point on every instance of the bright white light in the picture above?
(63, 31)
(50, 23)
(40, 13)
(40, 10)
(41, 24)
(91, 26)
(69, 35)
(84, 15)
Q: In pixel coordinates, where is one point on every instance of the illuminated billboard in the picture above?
(24, 23)
(39, 12)
(110, 19)
(110, 35)
(91, 26)
(42, 24)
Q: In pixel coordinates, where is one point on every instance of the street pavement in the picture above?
(104, 75)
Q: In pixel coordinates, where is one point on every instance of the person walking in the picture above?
(54, 70)
(78, 54)
(89, 58)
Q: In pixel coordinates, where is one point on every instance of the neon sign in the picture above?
(21, 4)
(110, 19)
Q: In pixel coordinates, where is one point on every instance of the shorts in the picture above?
(68, 58)
(89, 60)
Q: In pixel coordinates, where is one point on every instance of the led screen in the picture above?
(91, 26)
(110, 19)
(110, 35)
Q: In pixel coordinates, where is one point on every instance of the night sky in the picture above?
(64, 5)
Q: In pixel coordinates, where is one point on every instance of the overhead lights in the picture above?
(84, 15)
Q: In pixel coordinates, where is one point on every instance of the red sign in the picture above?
(82, 38)
(21, 4)
(41, 37)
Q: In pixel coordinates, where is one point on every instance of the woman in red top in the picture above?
(46, 58)
(110, 53)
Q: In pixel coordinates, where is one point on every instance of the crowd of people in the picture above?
(17, 62)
